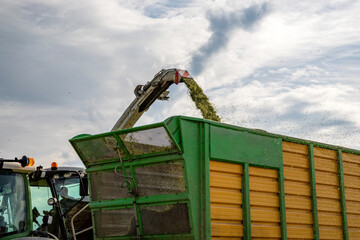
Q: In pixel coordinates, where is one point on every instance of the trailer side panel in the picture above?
(351, 167)
(265, 214)
(297, 191)
(226, 200)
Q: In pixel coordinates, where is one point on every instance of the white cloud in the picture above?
(310, 73)
(290, 35)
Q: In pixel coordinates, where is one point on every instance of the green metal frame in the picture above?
(195, 154)
(313, 191)
(205, 181)
(144, 200)
(246, 202)
(144, 160)
(281, 179)
(342, 195)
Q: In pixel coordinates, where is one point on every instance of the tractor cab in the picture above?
(60, 193)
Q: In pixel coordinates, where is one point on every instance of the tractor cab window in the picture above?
(68, 191)
(40, 193)
(12, 204)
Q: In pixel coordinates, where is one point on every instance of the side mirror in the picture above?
(84, 187)
(52, 201)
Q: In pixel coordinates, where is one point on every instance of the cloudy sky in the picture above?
(70, 67)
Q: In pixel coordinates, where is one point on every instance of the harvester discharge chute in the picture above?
(148, 93)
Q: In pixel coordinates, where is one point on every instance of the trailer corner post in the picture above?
(342, 195)
(313, 191)
(282, 203)
(205, 182)
(246, 203)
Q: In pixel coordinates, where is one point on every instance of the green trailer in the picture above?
(189, 178)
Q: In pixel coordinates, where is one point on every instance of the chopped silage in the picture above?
(201, 100)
